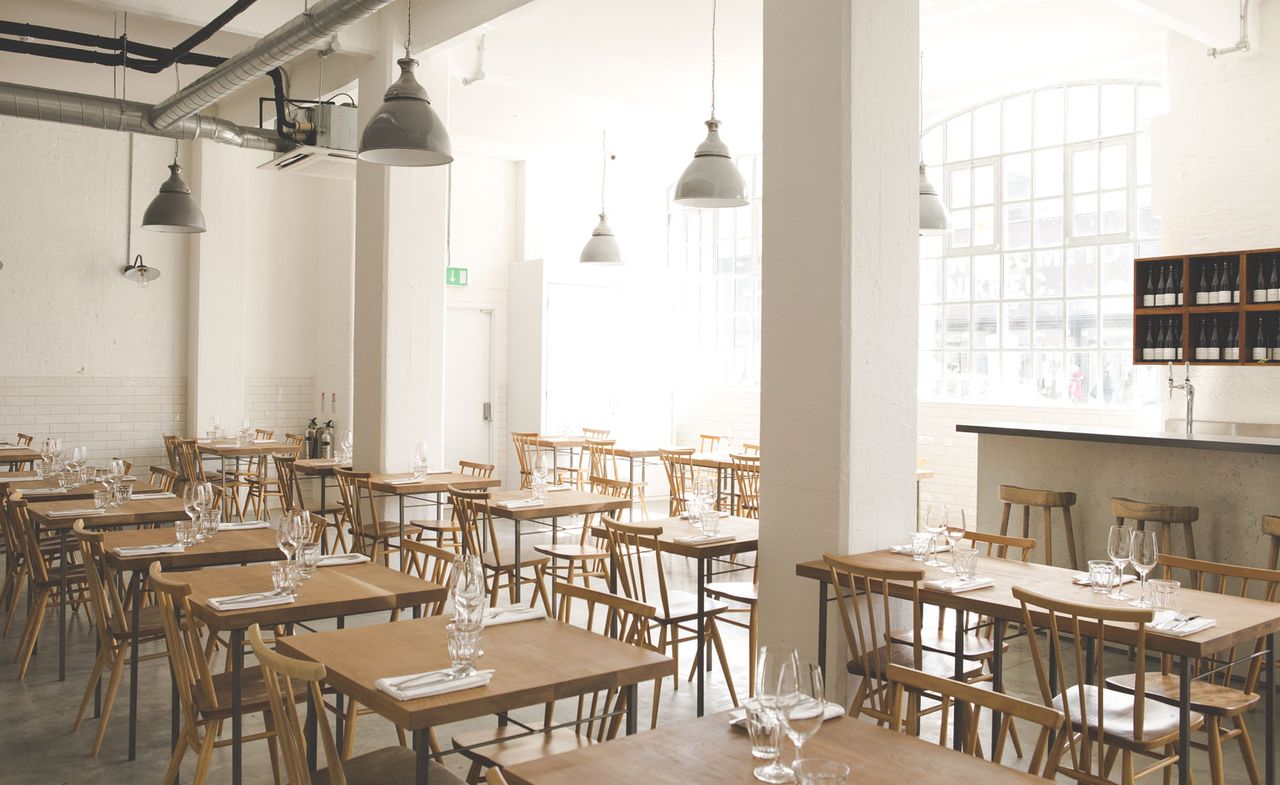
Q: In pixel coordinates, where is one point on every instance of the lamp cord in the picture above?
(178, 80)
(448, 218)
(408, 33)
(713, 59)
(604, 165)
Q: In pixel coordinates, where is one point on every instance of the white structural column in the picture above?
(838, 378)
(399, 284)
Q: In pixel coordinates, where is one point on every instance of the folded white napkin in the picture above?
(239, 602)
(155, 495)
(128, 477)
(74, 513)
(232, 526)
(1164, 625)
(440, 471)
(688, 516)
(43, 491)
(958, 585)
(907, 550)
(561, 487)
(738, 717)
(516, 504)
(430, 683)
(703, 539)
(496, 616)
(146, 550)
(403, 481)
(264, 441)
(339, 559)
(1082, 579)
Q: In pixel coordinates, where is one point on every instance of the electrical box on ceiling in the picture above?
(336, 126)
(332, 137)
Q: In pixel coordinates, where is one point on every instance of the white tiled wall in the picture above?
(734, 414)
(280, 403)
(112, 416)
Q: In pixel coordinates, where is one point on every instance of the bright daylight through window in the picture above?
(1028, 299)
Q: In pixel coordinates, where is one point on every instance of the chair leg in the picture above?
(34, 624)
(753, 637)
(206, 758)
(95, 676)
(1246, 751)
(1213, 727)
(1071, 537)
(349, 737)
(1126, 768)
(714, 632)
(113, 684)
(175, 760)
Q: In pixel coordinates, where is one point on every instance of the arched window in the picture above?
(1028, 299)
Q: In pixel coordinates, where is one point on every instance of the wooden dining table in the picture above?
(45, 515)
(13, 454)
(534, 662)
(321, 469)
(709, 751)
(330, 593)
(675, 540)
(1240, 622)
(404, 485)
(230, 448)
(223, 548)
(47, 489)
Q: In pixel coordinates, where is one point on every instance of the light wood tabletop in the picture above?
(131, 513)
(432, 483)
(710, 752)
(329, 593)
(632, 453)
(320, 467)
(8, 477)
(559, 503)
(232, 547)
(11, 454)
(47, 489)
(745, 533)
(533, 662)
(229, 448)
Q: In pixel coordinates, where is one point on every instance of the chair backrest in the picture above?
(358, 504)
(187, 662)
(287, 471)
(429, 563)
(314, 528)
(909, 682)
(638, 562)
(861, 586)
(708, 442)
(263, 433)
(1034, 499)
(600, 458)
(24, 439)
(105, 604)
(750, 448)
(1067, 624)
(295, 439)
(475, 522)
(40, 569)
(596, 433)
(679, 467)
(998, 545)
(1165, 516)
(746, 478)
(162, 478)
(1271, 528)
(475, 469)
(171, 452)
(192, 468)
(525, 449)
(282, 676)
(14, 545)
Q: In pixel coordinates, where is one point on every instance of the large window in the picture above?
(1028, 299)
(714, 258)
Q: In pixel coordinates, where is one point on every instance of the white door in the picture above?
(468, 385)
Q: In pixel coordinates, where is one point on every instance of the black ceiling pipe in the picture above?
(97, 57)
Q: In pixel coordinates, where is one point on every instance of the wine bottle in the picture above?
(1224, 285)
(1177, 339)
(1201, 342)
(1214, 352)
(1273, 283)
(1235, 283)
(1260, 281)
(1275, 343)
(1202, 291)
(1177, 286)
(1162, 339)
(1231, 351)
(1218, 287)
(1149, 293)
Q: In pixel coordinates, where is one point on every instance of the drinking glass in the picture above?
(217, 425)
(210, 520)
(935, 526)
(766, 736)
(816, 771)
(966, 562)
(468, 592)
(348, 444)
(920, 545)
(705, 489)
(122, 491)
(464, 646)
(802, 713)
(284, 538)
(420, 460)
(1144, 554)
(282, 577)
(101, 499)
(117, 468)
(190, 503)
(776, 677)
(1102, 574)
(308, 557)
(184, 532)
(541, 474)
(1119, 548)
(46, 449)
(1164, 594)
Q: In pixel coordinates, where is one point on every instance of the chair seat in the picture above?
(1206, 698)
(435, 526)
(737, 591)
(385, 530)
(976, 647)
(150, 623)
(683, 606)
(510, 753)
(388, 766)
(931, 662)
(253, 694)
(567, 550)
(1159, 725)
(507, 563)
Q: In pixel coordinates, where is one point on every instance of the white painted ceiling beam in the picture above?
(1215, 23)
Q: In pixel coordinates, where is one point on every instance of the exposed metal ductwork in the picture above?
(276, 48)
(91, 111)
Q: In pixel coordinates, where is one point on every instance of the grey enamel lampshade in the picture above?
(711, 179)
(406, 131)
(933, 213)
(174, 209)
(603, 247)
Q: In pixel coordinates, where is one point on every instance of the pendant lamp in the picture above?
(406, 131)
(712, 179)
(174, 209)
(602, 248)
(934, 218)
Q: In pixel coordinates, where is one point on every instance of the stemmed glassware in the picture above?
(420, 460)
(287, 538)
(346, 446)
(188, 534)
(936, 526)
(954, 535)
(803, 713)
(1119, 549)
(541, 475)
(1145, 553)
(776, 689)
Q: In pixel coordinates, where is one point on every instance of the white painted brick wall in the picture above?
(280, 403)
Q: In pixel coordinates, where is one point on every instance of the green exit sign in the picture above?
(455, 276)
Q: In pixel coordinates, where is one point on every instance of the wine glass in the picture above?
(1145, 553)
(285, 537)
(1119, 549)
(191, 503)
(705, 490)
(348, 444)
(936, 526)
(803, 713)
(776, 688)
(954, 535)
(420, 455)
(541, 475)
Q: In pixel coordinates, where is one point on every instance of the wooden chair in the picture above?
(43, 579)
(295, 440)
(263, 433)
(24, 440)
(856, 581)
(334, 539)
(475, 522)
(1105, 723)
(624, 620)
(1271, 528)
(448, 529)
(164, 479)
(746, 594)
(204, 697)
(708, 442)
(596, 433)
(526, 455)
(913, 684)
(430, 563)
(111, 623)
(749, 448)
(638, 561)
(171, 452)
(1165, 515)
(262, 486)
(128, 464)
(286, 682)
(370, 534)
(588, 557)
(1214, 690)
(746, 479)
(193, 471)
(15, 564)
(1046, 502)
(680, 477)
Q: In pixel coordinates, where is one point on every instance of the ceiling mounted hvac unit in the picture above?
(316, 162)
(330, 131)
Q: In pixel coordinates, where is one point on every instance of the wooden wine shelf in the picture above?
(1249, 262)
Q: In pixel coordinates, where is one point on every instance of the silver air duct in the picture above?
(310, 29)
(91, 111)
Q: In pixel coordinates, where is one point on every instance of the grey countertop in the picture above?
(1086, 433)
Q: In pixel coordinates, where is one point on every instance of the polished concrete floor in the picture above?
(37, 744)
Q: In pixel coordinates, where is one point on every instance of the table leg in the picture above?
(957, 710)
(237, 732)
(323, 514)
(632, 697)
(311, 732)
(404, 563)
(515, 579)
(226, 502)
(339, 699)
(421, 749)
(702, 632)
(997, 678)
(822, 628)
(62, 605)
(1184, 720)
(1270, 723)
(136, 612)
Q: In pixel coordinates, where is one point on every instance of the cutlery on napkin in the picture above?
(706, 539)
(73, 513)
(145, 550)
(1167, 623)
(42, 491)
(237, 602)
(243, 525)
(338, 559)
(516, 504)
(496, 616)
(958, 585)
(1082, 579)
(421, 685)
(738, 717)
(155, 495)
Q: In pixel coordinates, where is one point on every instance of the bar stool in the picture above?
(1271, 528)
(1045, 501)
(1142, 513)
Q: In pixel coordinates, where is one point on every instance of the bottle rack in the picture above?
(1179, 292)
